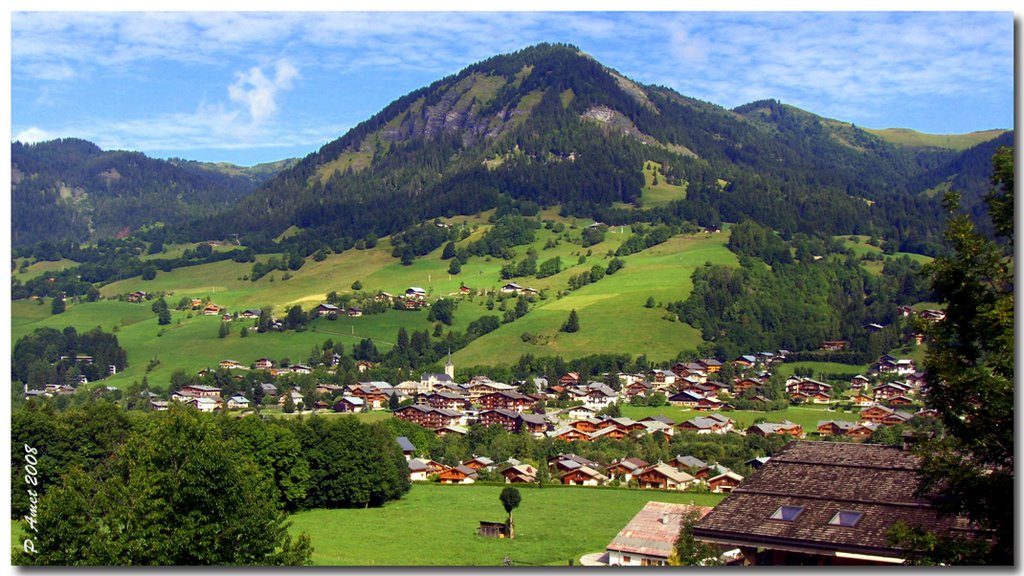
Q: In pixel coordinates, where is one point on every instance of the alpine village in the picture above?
(532, 314)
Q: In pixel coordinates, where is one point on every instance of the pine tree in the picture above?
(572, 323)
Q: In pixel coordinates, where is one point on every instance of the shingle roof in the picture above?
(824, 478)
(654, 529)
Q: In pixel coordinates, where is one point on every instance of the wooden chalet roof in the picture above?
(654, 529)
(824, 478)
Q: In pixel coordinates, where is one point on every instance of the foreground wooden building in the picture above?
(825, 503)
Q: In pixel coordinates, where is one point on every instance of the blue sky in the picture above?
(255, 87)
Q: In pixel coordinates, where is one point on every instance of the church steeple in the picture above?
(449, 368)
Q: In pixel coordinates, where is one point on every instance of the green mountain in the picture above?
(549, 125)
(70, 189)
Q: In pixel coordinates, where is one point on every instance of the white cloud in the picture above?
(33, 135)
(257, 92)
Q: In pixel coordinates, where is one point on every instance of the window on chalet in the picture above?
(787, 513)
(846, 518)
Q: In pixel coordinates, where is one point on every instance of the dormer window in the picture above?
(787, 513)
(846, 518)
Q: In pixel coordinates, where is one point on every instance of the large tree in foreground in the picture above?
(970, 375)
(176, 493)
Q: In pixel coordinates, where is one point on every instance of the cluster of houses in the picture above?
(681, 473)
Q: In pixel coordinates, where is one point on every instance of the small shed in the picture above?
(493, 529)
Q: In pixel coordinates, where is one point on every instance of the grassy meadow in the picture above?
(610, 310)
(806, 416)
(435, 525)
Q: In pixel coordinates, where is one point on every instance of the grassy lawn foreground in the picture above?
(435, 525)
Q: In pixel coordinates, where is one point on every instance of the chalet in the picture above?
(746, 361)
(232, 365)
(654, 426)
(535, 424)
(609, 432)
(428, 417)
(862, 400)
(507, 419)
(415, 293)
(458, 475)
(663, 376)
(520, 474)
(353, 312)
(685, 398)
(711, 366)
(479, 387)
(295, 395)
(586, 425)
(136, 297)
(859, 382)
(834, 345)
(203, 403)
(511, 288)
(813, 398)
(811, 388)
(707, 404)
(600, 396)
(567, 462)
(659, 418)
(581, 412)
(741, 386)
(263, 364)
(418, 470)
(212, 310)
(710, 424)
(724, 482)
(688, 463)
(329, 390)
(624, 469)
(649, 538)
(479, 463)
(584, 476)
(326, 310)
(570, 379)
(349, 404)
(638, 388)
(238, 402)
(568, 434)
(446, 401)
(834, 427)
(363, 365)
(200, 391)
(900, 401)
(251, 314)
(767, 429)
(159, 405)
(890, 390)
(932, 315)
(508, 399)
(622, 423)
(465, 290)
(879, 414)
(300, 369)
(664, 477)
(794, 512)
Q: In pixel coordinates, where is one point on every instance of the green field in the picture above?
(660, 193)
(436, 525)
(806, 416)
(861, 247)
(612, 313)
